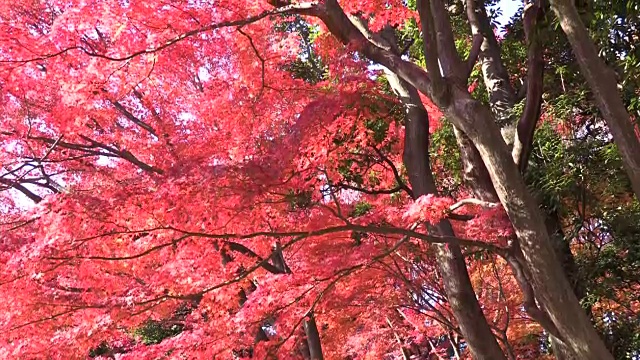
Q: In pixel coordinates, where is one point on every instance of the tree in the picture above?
(237, 180)
(602, 81)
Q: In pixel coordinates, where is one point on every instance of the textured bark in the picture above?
(560, 349)
(602, 81)
(474, 173)
(453, 68)
(523, 140)
(451, 263)
(551, 287)
(455, 71)
(430, 49)
(477, 122)
(495, 75)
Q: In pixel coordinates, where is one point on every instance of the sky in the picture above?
(509, 7)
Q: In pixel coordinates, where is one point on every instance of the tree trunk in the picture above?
(313, 337)
(476, 121)
(561, 350)
(474, 173)
(548, 279)
(500, 90)
(602, 81)
(451, 263)
(523, 141)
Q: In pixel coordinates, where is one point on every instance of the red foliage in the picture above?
(164, 177)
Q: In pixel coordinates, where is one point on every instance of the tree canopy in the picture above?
(319, 180)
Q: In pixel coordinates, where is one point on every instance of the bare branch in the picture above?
(471, 201)
(431, 51)
(533, 13)
(18, 186)
(476, 45)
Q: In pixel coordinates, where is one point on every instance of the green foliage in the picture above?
(583, 180)
(548, 175)
(581, 168)
(444, 151)
(379, 128)
(100, 350)
(344, 169)
(575, 169)
(609, 261)
(153, 332)
(361, 208)
(308, 66)
(298, 199)
(308, 70)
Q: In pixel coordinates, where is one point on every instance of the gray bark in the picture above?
(477, 122)
(495, 75)
(451, 263)
(548, 279)
(456, 71)
(474, 173)
(561, 350)
(525, 129)
(523, 134)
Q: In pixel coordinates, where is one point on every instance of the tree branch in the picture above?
(303, 8)
(431, 51)
(476, 45)
(530, 305)
(533, 14)
(452, 66)
(495, 75)
(603, 84)
(133, 118)
(18, 186)
(471, 201)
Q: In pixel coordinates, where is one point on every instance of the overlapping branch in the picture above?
(303, 8)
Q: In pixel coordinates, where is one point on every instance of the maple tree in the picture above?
(237, 180)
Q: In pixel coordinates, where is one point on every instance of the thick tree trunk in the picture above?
(457, 71)
(474, 173)
(602, 81)
(561, 350)
(501, 99)
(548, 279)
(451, 263)
(500, 91)
(476, 121)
